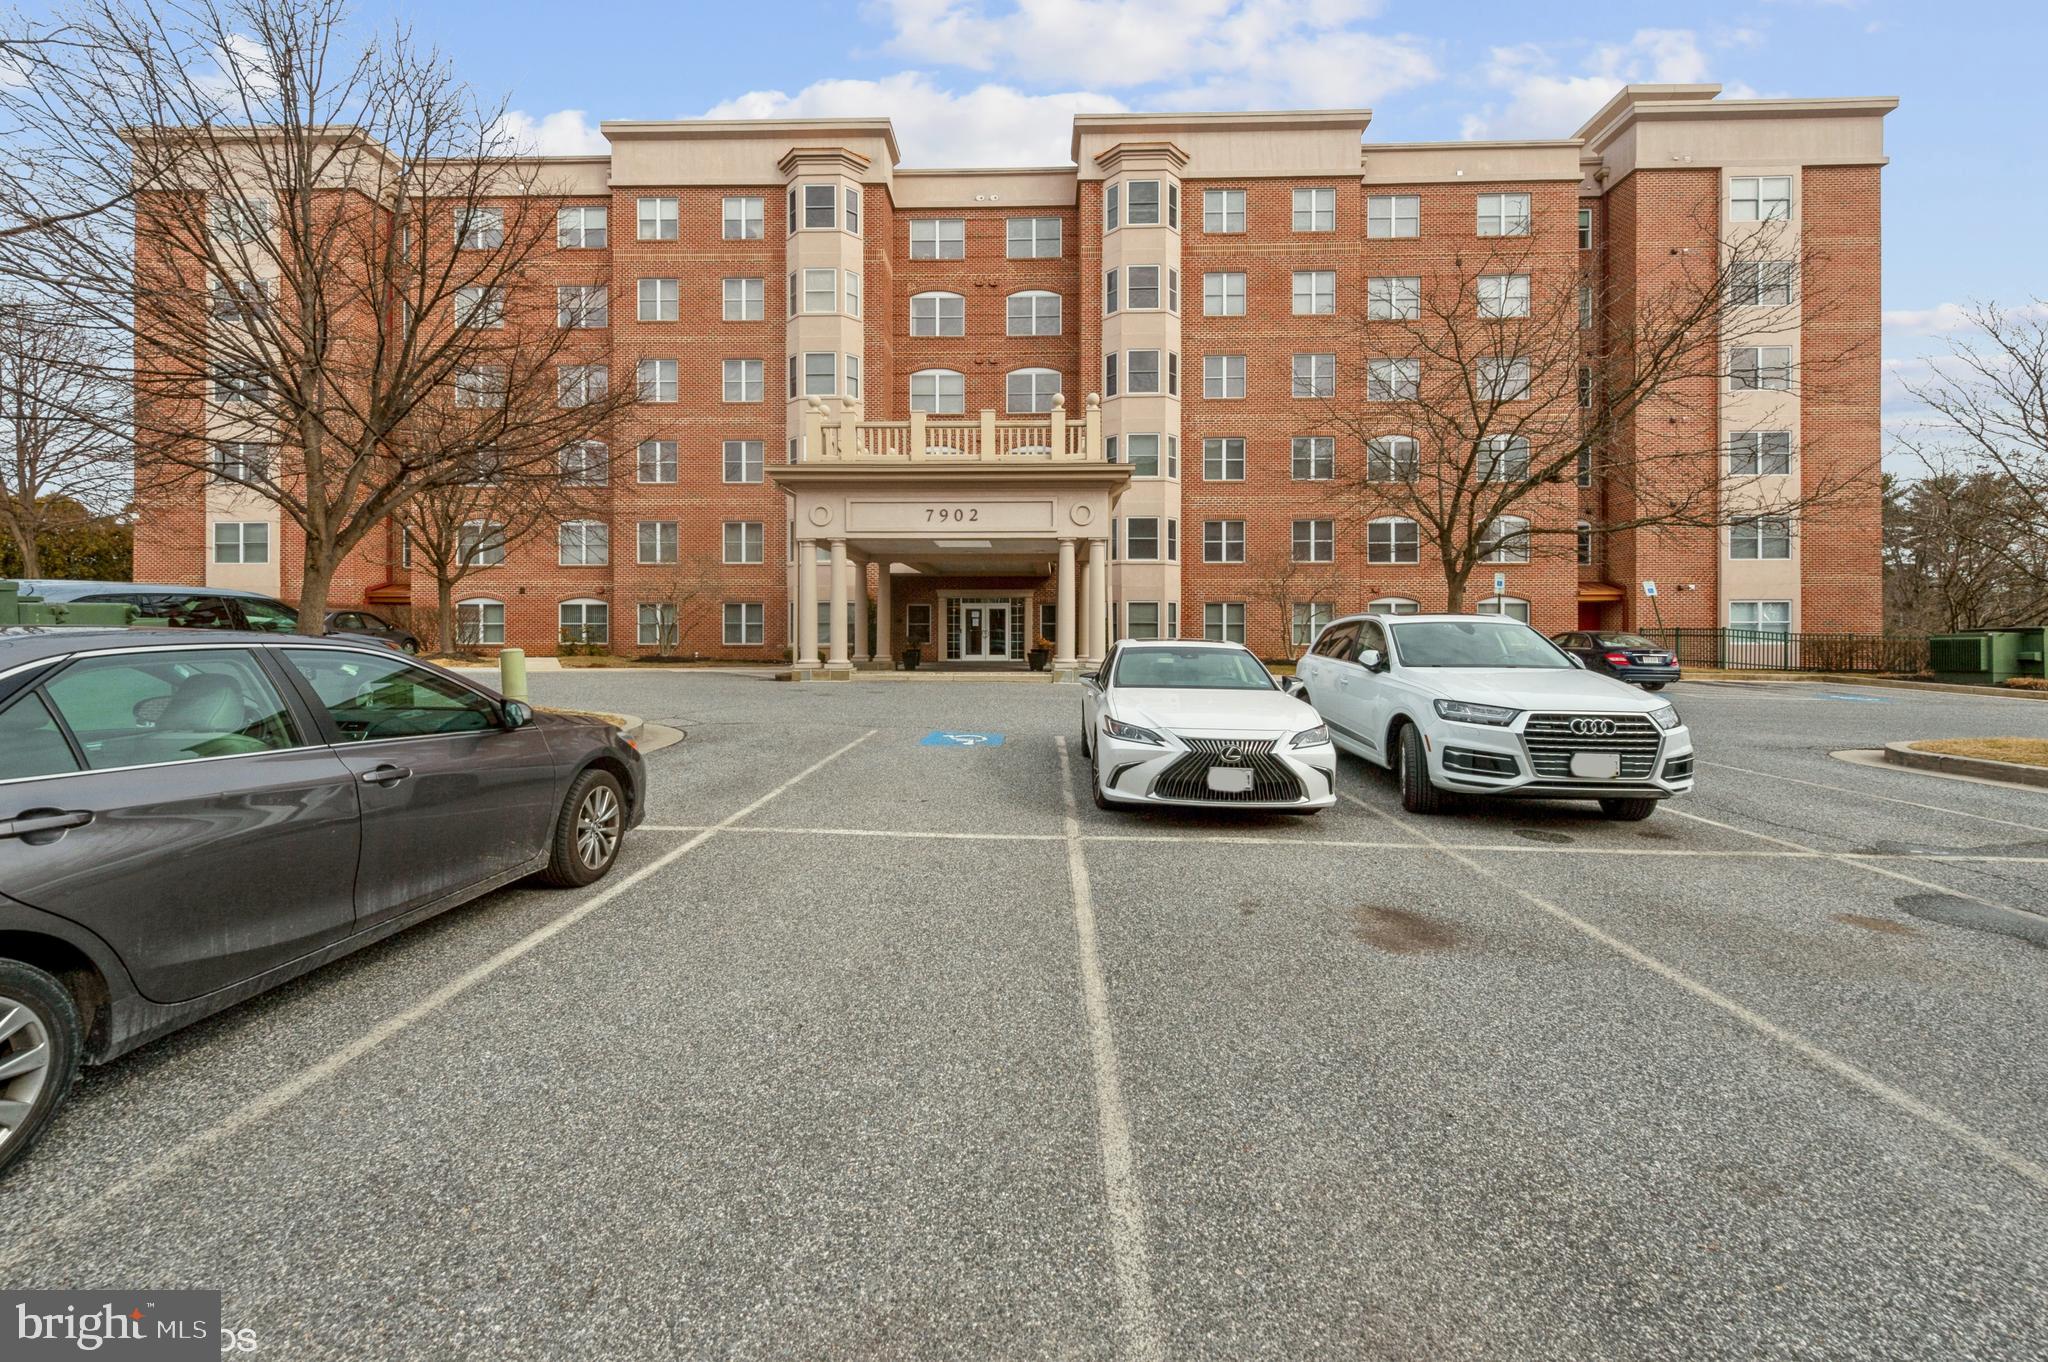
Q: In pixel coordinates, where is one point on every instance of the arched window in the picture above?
(586, 621)
(1033, 313)
(1393, 539)
(1514, 607)
(1394, 605)
(938, 314)
(480, 620)
(1030, 390)
(940, 391)
(1585, 544)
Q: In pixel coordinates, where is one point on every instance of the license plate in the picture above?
(1230, 779)
(1596, 765)
(1653, 660)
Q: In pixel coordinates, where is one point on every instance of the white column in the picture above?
(884, 616)
(807, 604)
(1063, 611)
(1098, 600)
(835, 657)
(860, 610)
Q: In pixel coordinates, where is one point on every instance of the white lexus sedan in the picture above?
(1201, 724)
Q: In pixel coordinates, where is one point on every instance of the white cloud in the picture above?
(1944, 319)
(989, 125)
(565, 132)
(1541, 100)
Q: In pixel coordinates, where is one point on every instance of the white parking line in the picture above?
(1139, 1325)
(1865, 794)
(272, 1099)
(2033, 1172)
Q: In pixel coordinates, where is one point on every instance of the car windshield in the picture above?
(1625, 641)
(1472, 643)
(1191, 669)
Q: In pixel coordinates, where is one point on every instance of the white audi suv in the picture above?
(1482, 704)
(1190, 723)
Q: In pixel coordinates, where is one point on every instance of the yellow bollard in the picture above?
(512, 673)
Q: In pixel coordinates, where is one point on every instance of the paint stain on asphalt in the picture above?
(1883, 926)
(1400, 932)
(1541, 835)
(1949, 911)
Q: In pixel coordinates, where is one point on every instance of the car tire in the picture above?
(1086, 749)
(46, 1046)
(409, 646)
(1628, 810)
(1418, 794)
(1102, 801)
(588, 832)
(1653, 685)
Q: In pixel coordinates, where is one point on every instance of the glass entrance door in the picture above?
(985, 633)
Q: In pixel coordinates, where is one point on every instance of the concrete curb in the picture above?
(2005, 772)
(1851, 679)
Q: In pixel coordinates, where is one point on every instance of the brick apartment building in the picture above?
(989, 406)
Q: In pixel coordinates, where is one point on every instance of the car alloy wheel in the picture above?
(25, 1059)
(597, 827)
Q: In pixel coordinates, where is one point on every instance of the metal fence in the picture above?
(1771, 650)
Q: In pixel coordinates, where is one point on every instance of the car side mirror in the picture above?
(1372, 659)
(1090, 679)
(1294, 686)
(517, 714)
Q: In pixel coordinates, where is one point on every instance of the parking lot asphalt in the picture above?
(876, 1049)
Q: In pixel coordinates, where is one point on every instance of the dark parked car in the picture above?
(372, 626)
(1628, 657)
(186, 822)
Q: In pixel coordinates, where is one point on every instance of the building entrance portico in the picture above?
(937, 506)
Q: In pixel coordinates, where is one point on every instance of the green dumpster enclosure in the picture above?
(33, 611)
(1988, 656)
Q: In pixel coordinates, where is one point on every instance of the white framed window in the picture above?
(1392, 458)
(585, 622)
(1030, 390)
(853, 377)
(583, 543)
(1394, 605)
(661, 299)
(821, 290)
(1141, 287)
(1764, 617)
(479, 229)
(1585, 229)
(1764, 536)
(1142, 372)
(1503, 214)
(1315, 293)
(482, 386)
(942, 392)
(576, 385)
(1502, 378)
(1315, 541)
(656, 625)
(582, 227)
(1142, 203)
(241, 541)
(1393, 298)
(743, 218)
(1306, 619)
(1109, 292)
(1760, 453)
(658, 541)
(743, 460)
(1223, 458)
(1223, 376)
(480, 308)
(1031, 238)
(1223, 541)
(1035, 312)
(239, 461)
(656, 219)
(1503, 295)
(745, 541)
(1514, 607)
(821, 374)
(1585, 468)
(1393, 539)
(1144, 456)
(1141, 538)
(1506, 540)
(1222, 212)
(1585, 307)
(1760, 283)
(820, 207)
(656, 461)
(1503, 458)
(1313, 458)
(938, 314)
(938, 239)
(1223, 294)
(1315, 210)
(1584, 530)
(746, 299)
(744, 380)
(1760, 368)
(917, 623)
(245, 220)
(656, 379)
(1223, 621)
(1759, 198)
(1141, 619)
(745, 624)
(852, 293)
(480, 621)
(480, 543)
(587, 463)
(582, 307)
(1393, 215)
(1315, 375)
(853, 210)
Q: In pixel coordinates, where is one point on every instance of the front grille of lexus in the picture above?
(1188, 777)
(1552, 744)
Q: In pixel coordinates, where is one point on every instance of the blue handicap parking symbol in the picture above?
(943, 739)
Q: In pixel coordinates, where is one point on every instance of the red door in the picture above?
(1589, 614)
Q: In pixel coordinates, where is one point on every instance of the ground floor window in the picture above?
(1141, 619)
(480, 622)
(1394, 605)
(1309, 617)
(1048, 619)
(657, 625)
(1769, 617)
(241, 541)
(745, 623)
(1511, 606)
(917, 624)
(1173, 619)
(586, 622)
(1223, 621)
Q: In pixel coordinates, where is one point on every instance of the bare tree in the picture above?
(61, 444)
(1481, 395)
(328, 267)
(687, 594)
(1989, 399)
(1278, 583)
(1963, 550)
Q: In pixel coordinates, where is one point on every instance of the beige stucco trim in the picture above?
(1472, 162)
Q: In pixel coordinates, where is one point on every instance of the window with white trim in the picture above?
(1313, 458)
(240, 461)
(1223, 376)
(1392, 458)
(1513, 607)
(1141, 619)
(745, 624)
(852, 293)
(1759, 198)
(853, 209)
(656, 461)
(1141, 203)
(853, 377)
(1763, 617)
(480, 308)
(1141, 538)
(1222, 211)
(1315, 210)
(1503, 458)
(1394, 605)
(1503, 295)
(1393, 539)
(1223, 294)
(480, 543)
(1306, 619)
(821, 290)
(582, 307)
(658, 541)
(576, 385)
(1764, 536)
(743, 218)
(917, 623)
(479, 229)
(1034, 312)
(1315, 541)
(1585, 468)
(241, 541)
(480, 621)
(655, 219)
(1760, 453)
(1030, 390)
(1393, 215)
(820, 207)
(742, 460)
(661, 299)
(587, 463)
(1393, 298)
(1031, 238)
(1585, 229)
(745, 541)
(1315, 293)
(938, 239)
(1142, 371)
(1502, 378)
(656, 379)
(1223, 621)
(656, 625)
(1144, 456)
(585, 622)
(821, 374)
(1223, 541)
(1505, 540)
(1760, 368)
(583, 543)
(938, 314)
(1503, 215)
(744, 380)
(1760, 283)
(938, 391)
(1315, 375)
(1141, 287)
(1223, 458)
(1584, 530)
(745, 300)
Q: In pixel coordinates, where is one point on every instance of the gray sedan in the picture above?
(187, 822)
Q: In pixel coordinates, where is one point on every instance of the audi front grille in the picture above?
(1554, 739)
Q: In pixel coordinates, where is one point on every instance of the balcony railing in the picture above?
(842, 437)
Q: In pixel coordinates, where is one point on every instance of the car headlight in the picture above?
(1319, 736)
(1666, 717)
(1465, 712)
(1118, 729)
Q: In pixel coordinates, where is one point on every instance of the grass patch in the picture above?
(2025, 751)
(611, 660)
